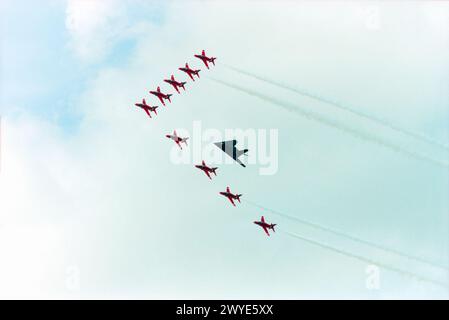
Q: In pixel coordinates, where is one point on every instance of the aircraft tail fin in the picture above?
(238, 153)
(238, 197)
(272, 226)
(182, 85)
(213, 170)
(213, 60)
(185, 140)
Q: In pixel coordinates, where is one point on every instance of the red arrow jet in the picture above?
(207, 170)
(175, 83)
(177, 139)
(265, 226)
(190, 72)
(205, 58)
(146, 107)
(231, 196)
(161, 95)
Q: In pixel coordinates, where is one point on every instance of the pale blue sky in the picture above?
(86, 180)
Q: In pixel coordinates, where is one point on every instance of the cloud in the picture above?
(95, 26)
(136, 224)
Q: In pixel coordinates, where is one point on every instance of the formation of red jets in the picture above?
(233, 196)
(163, 97)
(179, 140)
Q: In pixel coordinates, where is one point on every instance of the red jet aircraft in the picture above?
(205, 58)
(177, 139)
(146, 107)
(175, 83)
(207, 170)
(265, 226)
(228, 194)
(161, 95)
(190, 72)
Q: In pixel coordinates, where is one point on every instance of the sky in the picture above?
(93, 205)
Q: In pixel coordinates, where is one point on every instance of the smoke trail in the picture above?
(367, 260)
(349, 237)
(316, 117)
(336, 104)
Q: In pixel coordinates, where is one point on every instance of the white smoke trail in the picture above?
(368, 260)
(336, 104)
(316, 117)
(347, 236)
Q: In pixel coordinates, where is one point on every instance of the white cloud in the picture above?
(135, 223)
(33, 258)
(95, 26)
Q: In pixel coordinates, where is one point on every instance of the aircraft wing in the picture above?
(266, 230)
(205, 62)
(148, 113)
(228, 147)
(232, 201)
(240, 163)
(162, 100)
(207, 173)
(190, 75)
